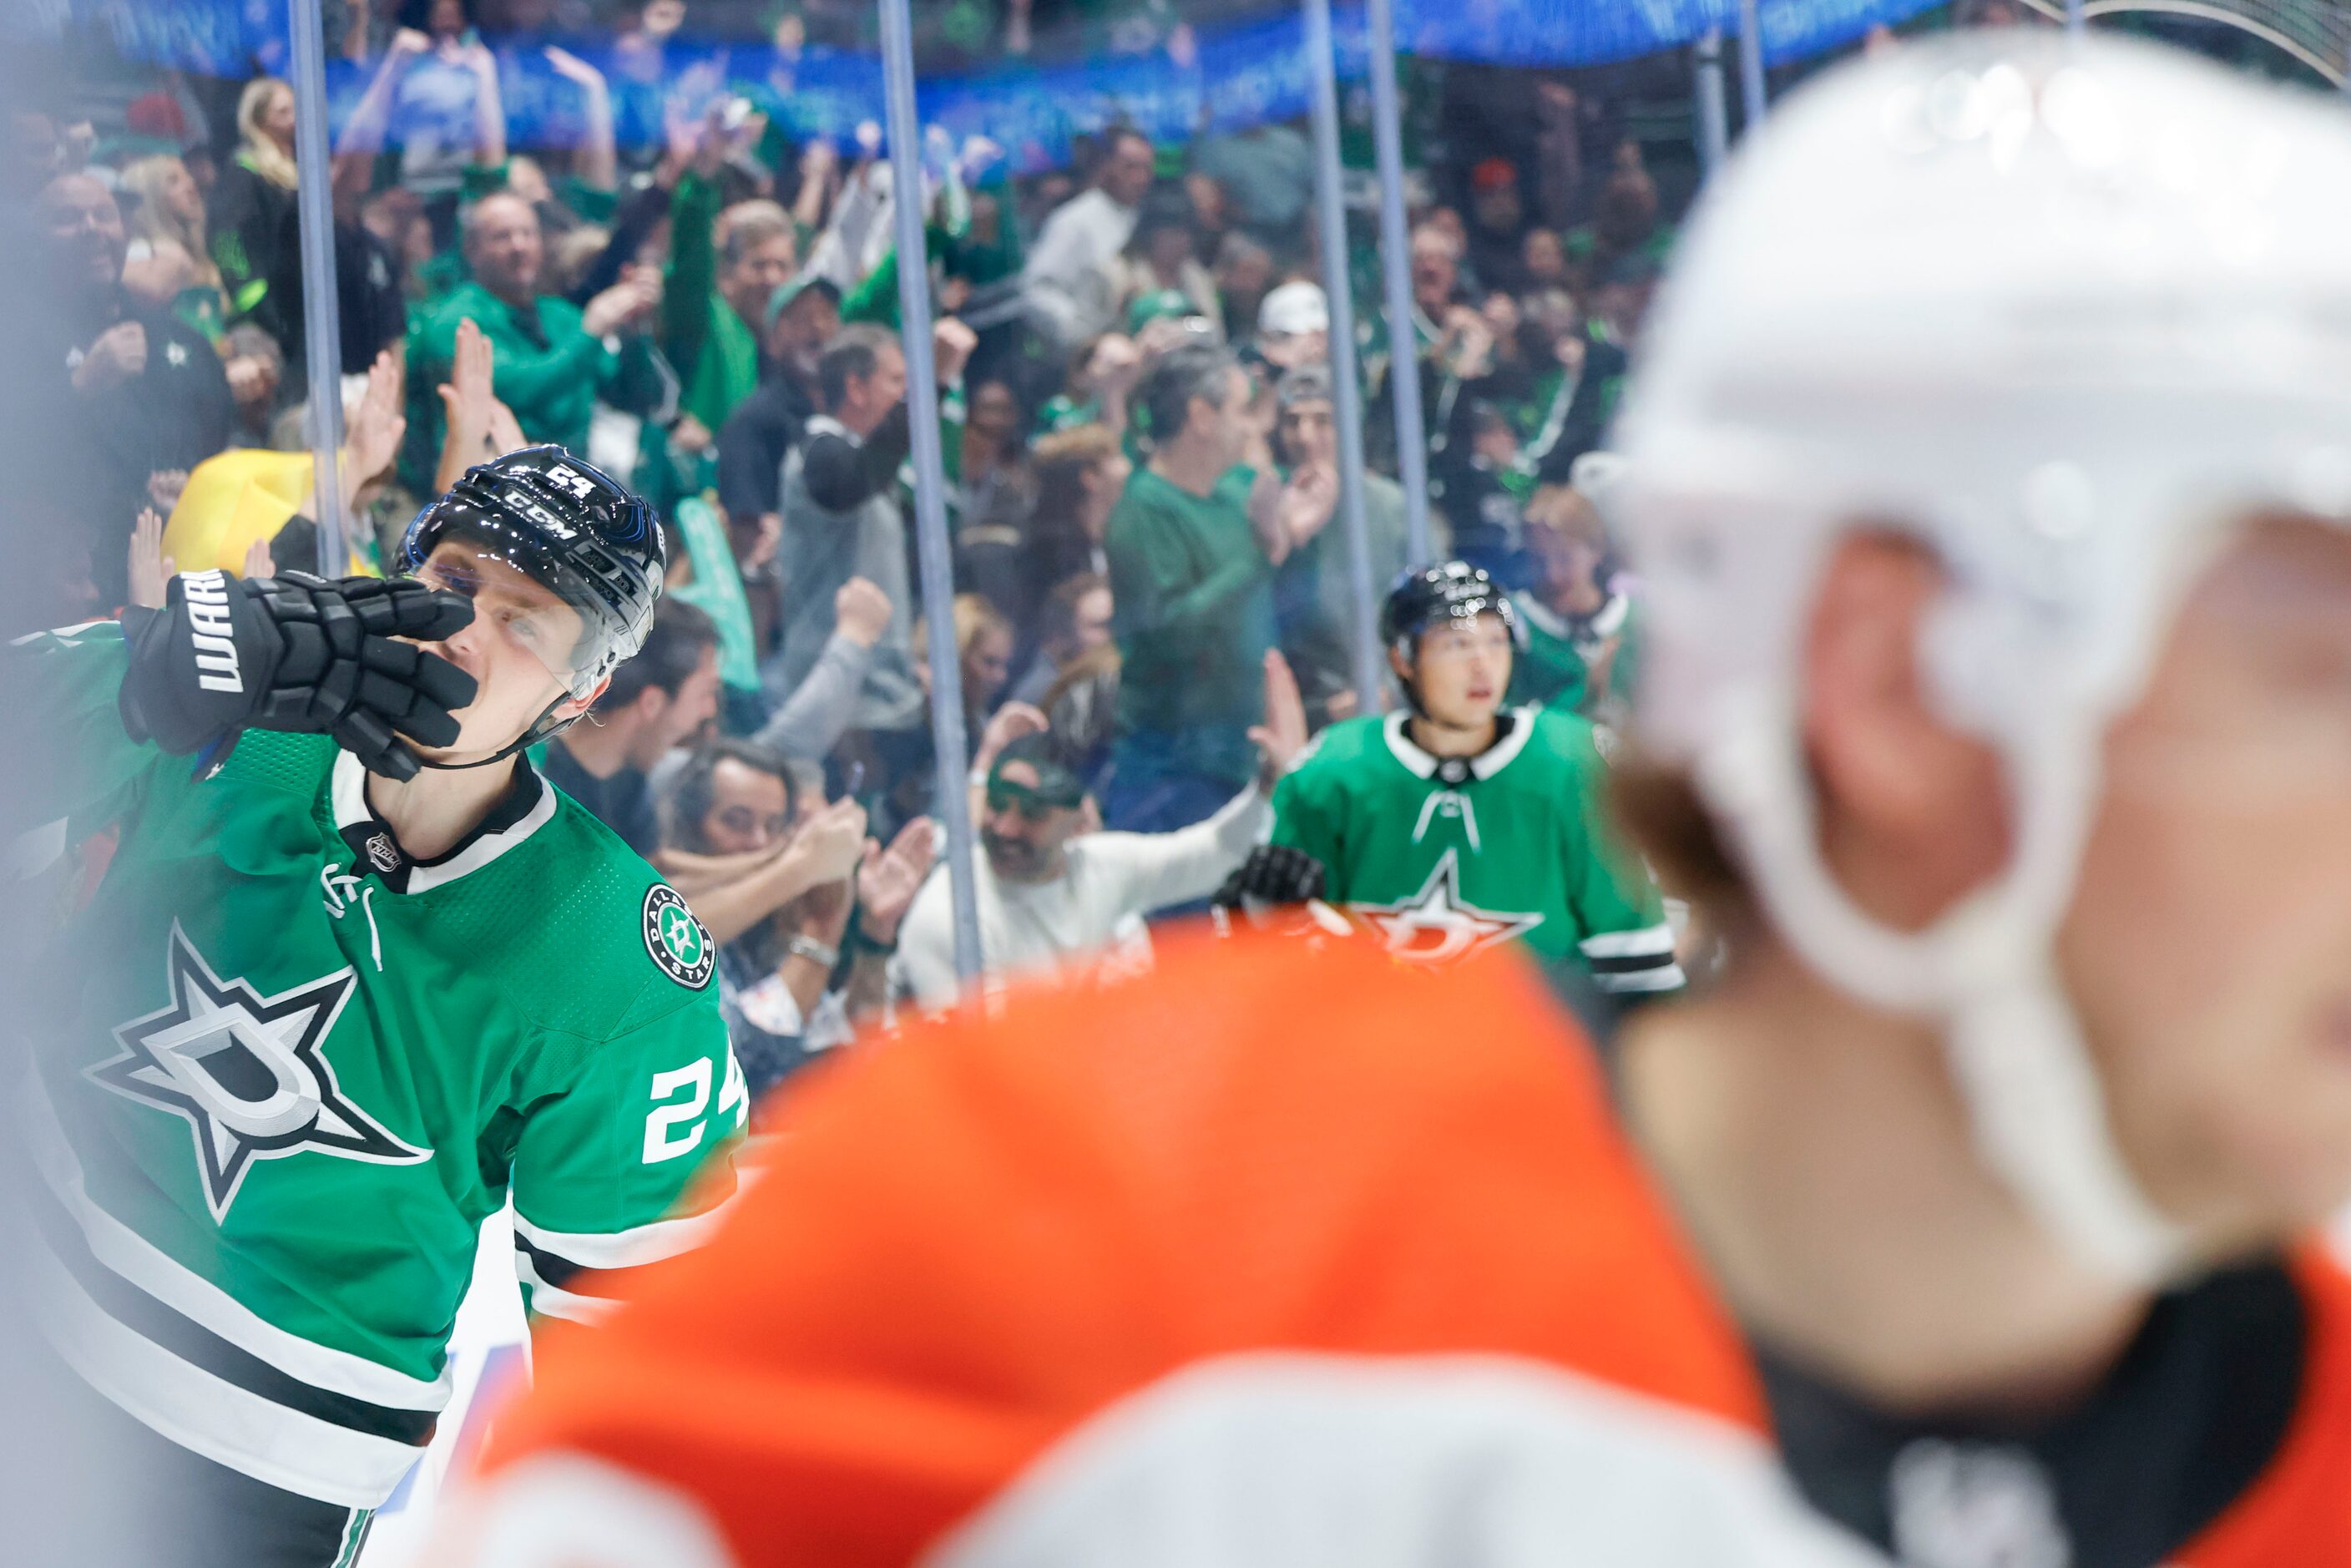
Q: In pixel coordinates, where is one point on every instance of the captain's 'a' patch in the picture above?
(247, 1072)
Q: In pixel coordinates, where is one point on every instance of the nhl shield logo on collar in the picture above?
(383, 854)
(676, 940)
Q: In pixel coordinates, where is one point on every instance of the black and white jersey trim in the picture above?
(1633, 961)
(184, 1357)
(551, 1263)
(194, 1343)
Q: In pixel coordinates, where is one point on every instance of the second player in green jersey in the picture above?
(1455, 823)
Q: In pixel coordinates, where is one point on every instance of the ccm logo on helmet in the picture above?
(212, 631)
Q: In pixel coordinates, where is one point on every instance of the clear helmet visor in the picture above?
(524, 609)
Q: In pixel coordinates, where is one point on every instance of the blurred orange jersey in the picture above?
(1264, 1258)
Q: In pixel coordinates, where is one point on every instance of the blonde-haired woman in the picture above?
(170, 263)
(253, 204)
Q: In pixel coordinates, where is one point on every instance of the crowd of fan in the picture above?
(1153, 611)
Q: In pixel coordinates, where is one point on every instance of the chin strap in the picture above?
(539, 730)
(1983, 974)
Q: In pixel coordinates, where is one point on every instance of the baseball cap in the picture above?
(1056, 785)
(1293, 309)
(782, 299)
(1156, 304)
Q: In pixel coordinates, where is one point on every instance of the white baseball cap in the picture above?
(1293, 309)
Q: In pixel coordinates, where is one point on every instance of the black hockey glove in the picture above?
(1273, 873)
(294, 653)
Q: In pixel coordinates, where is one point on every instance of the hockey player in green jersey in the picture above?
(348, 985)
(1455, 823)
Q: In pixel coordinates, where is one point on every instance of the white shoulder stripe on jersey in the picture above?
(550, 1300)
(1666, 978)
(210, 1415)
(627, 1248)
(1639, 944)
(145, 1265)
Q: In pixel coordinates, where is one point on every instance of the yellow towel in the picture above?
(231, 501)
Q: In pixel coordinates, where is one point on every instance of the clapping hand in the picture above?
(150, 569)
(887, 880)
(1283, 736)
(1307, 502)
(374, 430)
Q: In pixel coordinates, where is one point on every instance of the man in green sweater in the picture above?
(1193, 544)
(725, 265)
(554, 360)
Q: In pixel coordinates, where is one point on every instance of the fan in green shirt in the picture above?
(724, 268)
(1193, 544)
(554, 360)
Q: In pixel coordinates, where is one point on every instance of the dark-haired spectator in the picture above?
(842, 518)
(1475, 483)
(1577, 372)
(1245, 272)
(661, 698)
(783, 985)
(1074, 622)
(1542, 259)
(1622, 299)
(1626, 223)
(1071, 282)
(1080, 473)
(553, 362)
(1193, 544)
(1313, 591)
(993, 495)
(801, 317)
(145, 388)
(1161, 255)
(1498, 221)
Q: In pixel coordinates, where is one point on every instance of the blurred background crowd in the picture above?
(608, 225)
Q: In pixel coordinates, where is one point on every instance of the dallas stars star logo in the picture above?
(246, 1073)
(1436, 925)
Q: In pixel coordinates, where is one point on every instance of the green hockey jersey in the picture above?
(291, 1070)
(1444, 856)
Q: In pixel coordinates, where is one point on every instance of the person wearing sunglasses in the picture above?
(1053, 892)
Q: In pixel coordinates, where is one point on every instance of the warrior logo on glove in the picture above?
(296, 653)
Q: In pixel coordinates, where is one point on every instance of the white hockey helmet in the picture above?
(2066, 310)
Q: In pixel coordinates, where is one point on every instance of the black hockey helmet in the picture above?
(571, 528)
(1430, 596)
